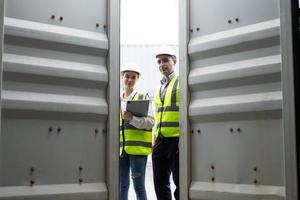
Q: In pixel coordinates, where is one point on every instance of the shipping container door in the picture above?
(235, 139)
(55, 132)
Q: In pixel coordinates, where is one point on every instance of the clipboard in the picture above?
(138, 108)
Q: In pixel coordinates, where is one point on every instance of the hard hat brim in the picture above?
(173, 56)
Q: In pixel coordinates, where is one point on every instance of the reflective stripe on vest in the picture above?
(167, 115)
(137, 141)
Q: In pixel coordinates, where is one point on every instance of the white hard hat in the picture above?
(131, 66)
(165, 50)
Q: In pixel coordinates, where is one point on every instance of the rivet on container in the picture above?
(104, 26)
(80, 168)
(192, 131)
(229, 21)
(191, 30)
(237, 19)
(255, 182)
(238, 130)
(231, 130)
(80, 181)
(198, 29)
(31, 182)
(52, 17)
(50, 129)
(58, 130)
(199, 131)
(96, 131)
(255, 169)
(61, 18)
(104, 130)
(97, 25)
(31, 170)
(212, 179)
(212, 167)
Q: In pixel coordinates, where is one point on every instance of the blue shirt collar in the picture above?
(165, 80)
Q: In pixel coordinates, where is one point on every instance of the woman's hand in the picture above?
(127, 116)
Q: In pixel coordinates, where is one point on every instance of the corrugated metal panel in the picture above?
(113, 61)
(289, 93)
(54, 100)
(1, 69)
(144, 55)
(235, 107)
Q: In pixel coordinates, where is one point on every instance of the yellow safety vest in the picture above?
(167, 114)
(137, 141)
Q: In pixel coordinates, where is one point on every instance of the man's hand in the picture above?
(127, 116)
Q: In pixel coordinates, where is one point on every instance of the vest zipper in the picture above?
(161, 113)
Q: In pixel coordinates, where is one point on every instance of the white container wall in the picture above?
(236, 138)
(289, 35)
(55, 99)
(1, 69)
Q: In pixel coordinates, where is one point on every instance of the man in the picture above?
(165, 155)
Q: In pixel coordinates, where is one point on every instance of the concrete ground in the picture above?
(149, 184)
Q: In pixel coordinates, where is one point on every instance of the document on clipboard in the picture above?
(138, 108)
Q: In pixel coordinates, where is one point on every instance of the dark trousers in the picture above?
(165, 160)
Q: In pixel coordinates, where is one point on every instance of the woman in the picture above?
(135, 136)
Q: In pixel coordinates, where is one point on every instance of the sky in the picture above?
(149, 22)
